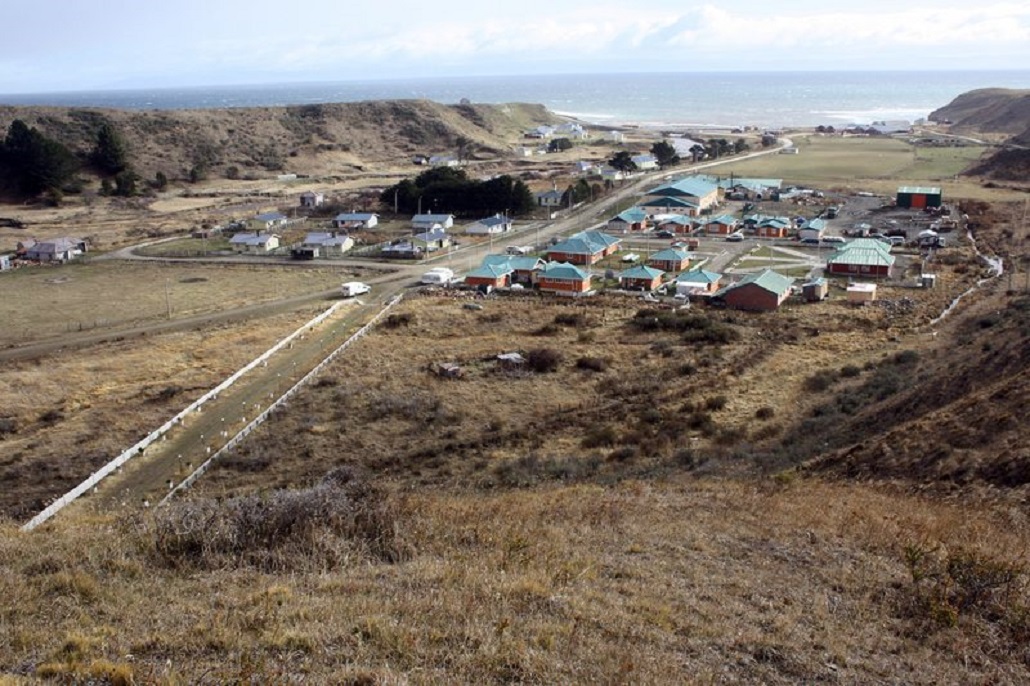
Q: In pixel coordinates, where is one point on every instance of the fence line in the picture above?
(196, 406)
(260, 419)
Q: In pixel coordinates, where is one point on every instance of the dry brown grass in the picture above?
(683, 580)
(46, 302)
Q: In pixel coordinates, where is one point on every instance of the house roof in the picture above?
(435, 234)
(252, 238)
(723, 219)
(355, 216)
(867, 257)
(644, 159)
(677, 219)
(668, 201)
(326, 238)
(515, 262)
(564, 270)
(631, 216)
(585, 243)
(550, 194)
(767, 280)
(698, 276)
(670, 255)
(920, 190)
(432, 218)
(815, 223)
(642, 271)
(490, 271)
(495, 220)
(690, 186)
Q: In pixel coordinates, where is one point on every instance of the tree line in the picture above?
(449, 190)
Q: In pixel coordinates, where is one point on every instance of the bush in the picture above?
(531, 469)
(850, 371)
(694, 328)
(592, 364)
(765, 413)
(576, 319)
(906, 357)
(395, 321)
(716, 402)
(600, 436)
(543, 360)
(316, 528)
(821, 380)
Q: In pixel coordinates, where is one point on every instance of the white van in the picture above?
(438, 276)
(353, 288)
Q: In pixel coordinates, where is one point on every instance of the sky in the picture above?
(69, 45)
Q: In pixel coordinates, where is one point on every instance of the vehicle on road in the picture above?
(834, 239)
(809, 241)
(353, 288)
(735, 237)
(665, 234)
(630, 257)
(438, 276)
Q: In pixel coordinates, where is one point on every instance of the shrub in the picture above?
(395, 321)
(314, 528)
(687, 369)
(576, 319)
(716, 402)
(600, 436)
(850, 371)
(532, 469)
(543, 360)
(821, 380)
(8, 425)
(592, 364)
(906, 357)
(765, 413)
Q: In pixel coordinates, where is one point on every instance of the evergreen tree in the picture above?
(665, 153)
(109, 155)
(35, 162)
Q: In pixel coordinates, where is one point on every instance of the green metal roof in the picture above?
(632, 215)
(698, 276)
(724, 219)
(642, 272)
(690, 186)
(668, 201)
(920, 190)
(563, 270)
(866, 257)
(670, 255)
(767, 280)
(490, 271)
(867, 244)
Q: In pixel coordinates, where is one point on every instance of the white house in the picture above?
(551, 198)
(254, 243)
(584, 166)
(432, 240)
(524, 151)
(443, 161)
(312, 199)
(329, 243)
(645, 162)
(616, 137)
(540, 132)
(489, 226)
(612, 174)
(266, 222)
(57, 250)
(427, 222)
(571, 130)
(355, 221)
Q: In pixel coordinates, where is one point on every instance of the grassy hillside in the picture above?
(994, 110)
(302, 139)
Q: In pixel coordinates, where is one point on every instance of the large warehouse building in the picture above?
(917, 198)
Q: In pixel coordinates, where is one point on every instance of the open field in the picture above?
(871, 164)
(46, 302)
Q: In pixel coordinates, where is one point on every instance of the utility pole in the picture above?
(168, 300)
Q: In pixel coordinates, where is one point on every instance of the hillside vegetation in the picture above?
(302, 139)
(992, 110)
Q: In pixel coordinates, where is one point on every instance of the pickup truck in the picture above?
(353, 288)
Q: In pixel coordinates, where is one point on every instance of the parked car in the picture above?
(735, 237)
(897, 240)
(665, 234)
(834, 239)
(630, 257)
(809, 241)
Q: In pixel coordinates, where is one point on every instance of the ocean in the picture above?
(712, 99)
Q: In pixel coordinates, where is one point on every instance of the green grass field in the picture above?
(872, 164)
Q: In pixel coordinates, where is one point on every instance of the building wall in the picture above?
(644, 284)
(844, 269)
(669, 265)
(563, 286)
(572, 258)
(486, 281)
(752, 297)
(718, 229)
(770, 232)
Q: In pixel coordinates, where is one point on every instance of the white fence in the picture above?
(195, 406)
(260, 419)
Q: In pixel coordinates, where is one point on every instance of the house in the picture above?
(814, 229)
(432, 240)
(677, 223)
(267, 222)
(669, 205)
(5, 262)
(641, 278)
(645, 162)
(584, 166)
(427, 222)
(254, 243)
(524, 269)
(404, 250)
(524, 151)
(551, 198)
(862, 257)
(759, 292)
(861, 293)
(57, 250)
(917, 198)
(612, 174)
(615, 137)
(697, 282)
(891, 126)
(633, 219)
(356, 221)
(722, 225)
(571, 130)
(311, 199)
(489, 226)
(563, 279)
(542, 131)
(695, 189)
(587, 247)
(490, 275)
(328, 243)
(670, 260)
(443, 161)
(773, 227)
(815, 290)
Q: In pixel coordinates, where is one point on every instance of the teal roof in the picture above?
(670, 255)
(515, 262)
(691, 186)
(748, 182)
(816, 223)
(600, 237)
(563, 270)
(677, 219)
(723, 219)
(642, 272)
(668, 201)
(767, 279)
(490, 271)
(698, 276)
(869, 257)
(867, 244)
(778, 222)
(585, 243)
(632, 215)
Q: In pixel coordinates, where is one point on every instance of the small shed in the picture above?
(918, 197)
(861, 293)
(815, 290)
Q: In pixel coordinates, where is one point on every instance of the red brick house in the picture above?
(760, 292)
(587, 247)
(641, 278)
(670, 260)
(563, 278)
